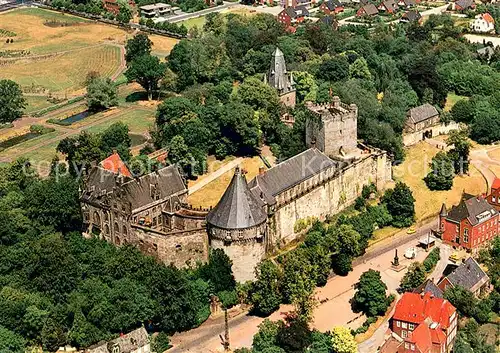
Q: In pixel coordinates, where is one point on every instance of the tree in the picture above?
(116, 137)
(345, 240)
(218, 272)
(413, 278)
(161, 342)
(125, 14)
(343, 341)
(370, 297)
(298, 279)
(400, 204)
(459, 154)
(138, 46)
(12, 101)
(463, 111)
(442, 172)
(266, 336)
(10, 341)
(147, 70)
(342, 264)
(359, 69)
(334, 69)
(306, 86)
(101, 94)
(462, 299)
(214, 22)
(265, 294)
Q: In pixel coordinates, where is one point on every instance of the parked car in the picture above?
(411, 230)
(454, 257)
(411, 253)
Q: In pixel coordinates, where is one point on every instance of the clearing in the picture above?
(451, 99)
(200, 21)
(428, 203)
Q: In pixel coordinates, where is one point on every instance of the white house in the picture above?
(483, 23)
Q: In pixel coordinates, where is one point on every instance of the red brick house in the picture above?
(367, 10)
(470, 224)
(331, 6)
(494, 197)
(292, 15)
(114, 7)
(422, 323)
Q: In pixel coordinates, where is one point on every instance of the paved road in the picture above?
(477, 38)
(333, 310)
(482, 161)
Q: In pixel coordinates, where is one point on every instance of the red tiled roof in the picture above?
(415, 308)
(496, 184)
(488, 18)
(115, 164)
(421, 337)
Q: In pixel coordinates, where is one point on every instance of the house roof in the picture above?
(370, 9)
(409, 2)
(115, 165)
(290, 173)
(297, 11)
(468, 275)
(128, 343)
(332, 4)
(102, 186)
(473, 208)
(158, 5)
(496, 182)
(421, 337)
(429, 287)
(416, 308)
(464, 4)
(278, 77)
(328, 20)
(412, 16)
(488, 18)
(422, 113)
(238, 208)
(390, 5)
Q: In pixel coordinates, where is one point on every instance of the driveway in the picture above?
(334, 308)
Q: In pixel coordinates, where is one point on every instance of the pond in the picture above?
(74, 118)
(137, 139)
(17, 140)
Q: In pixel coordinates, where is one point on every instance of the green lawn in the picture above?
(49, 15)
(138, 120)
(20, 148)
(451, 99)
(36, 103)
(197, 21)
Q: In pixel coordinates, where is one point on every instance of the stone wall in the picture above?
(181, 249)
(415, 137)
(288, 99)
(326, 194)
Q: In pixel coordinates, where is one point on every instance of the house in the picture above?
(292, 15)
(429, 286)
(486, 53)
(462, 5)
(113, 6)
(422, 323)
(136, 341)
(407, 3)
(330, 21)
(296, 3)
(483, 23)
(494, 197)
(470, 224)
(388, 6)
(411, 16)
(468, 275)
(421, 118)
(331, 6)
(367, 10)
(156, 10)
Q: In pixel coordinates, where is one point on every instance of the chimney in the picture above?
(261, 170)
(115, 151)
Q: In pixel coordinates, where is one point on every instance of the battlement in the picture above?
(333, 109)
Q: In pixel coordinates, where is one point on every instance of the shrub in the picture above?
(228, 298)
(40, 129)
(431, 260)
(161, 342)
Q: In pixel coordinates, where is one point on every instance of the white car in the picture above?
(411, 253)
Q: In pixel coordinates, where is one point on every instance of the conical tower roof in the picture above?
(238, 208)
(443, 212)
(278, 77)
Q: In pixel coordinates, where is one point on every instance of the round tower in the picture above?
(238, 225)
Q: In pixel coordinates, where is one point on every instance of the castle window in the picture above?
(106, 217)
(106, 229)
(97, 218)
(124, 230)
(154, 221)
(116, 228)
(118, 241)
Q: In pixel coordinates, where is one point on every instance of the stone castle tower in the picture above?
(333, 130)
(280, 79)
(238, 226)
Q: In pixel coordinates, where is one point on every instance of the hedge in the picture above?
(431, 260)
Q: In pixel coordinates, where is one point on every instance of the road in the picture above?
(187, 16)
(333, 298)
(477, 38)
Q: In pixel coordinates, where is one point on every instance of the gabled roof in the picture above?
(390, 5)
(429, 287)
(238, 208)
(496, 182)
(370, 9)
(422, 338)
(412, 15)
(409, 2)
(421, 113)
(290, 173)
(294, 12)
(416, 308)
(115, 165)
(332, 4)
(464, 4)
(468, 275)
(473, 208)
(488, 18)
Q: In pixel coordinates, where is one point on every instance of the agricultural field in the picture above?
(53, 52)
(200, 21)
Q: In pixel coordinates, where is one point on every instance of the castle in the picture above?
(252, 219)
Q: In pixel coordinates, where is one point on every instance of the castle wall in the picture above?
(289, 99)
(326, 194)
(412, 138)
(246, 249)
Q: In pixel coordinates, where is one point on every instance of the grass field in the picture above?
(59, 58)
(416, 166)
(451, 99)
(212, 192)
(200, 21)
(36, 103)
(138, 120)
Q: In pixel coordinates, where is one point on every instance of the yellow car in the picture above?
(454, 257)
(411, 230)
